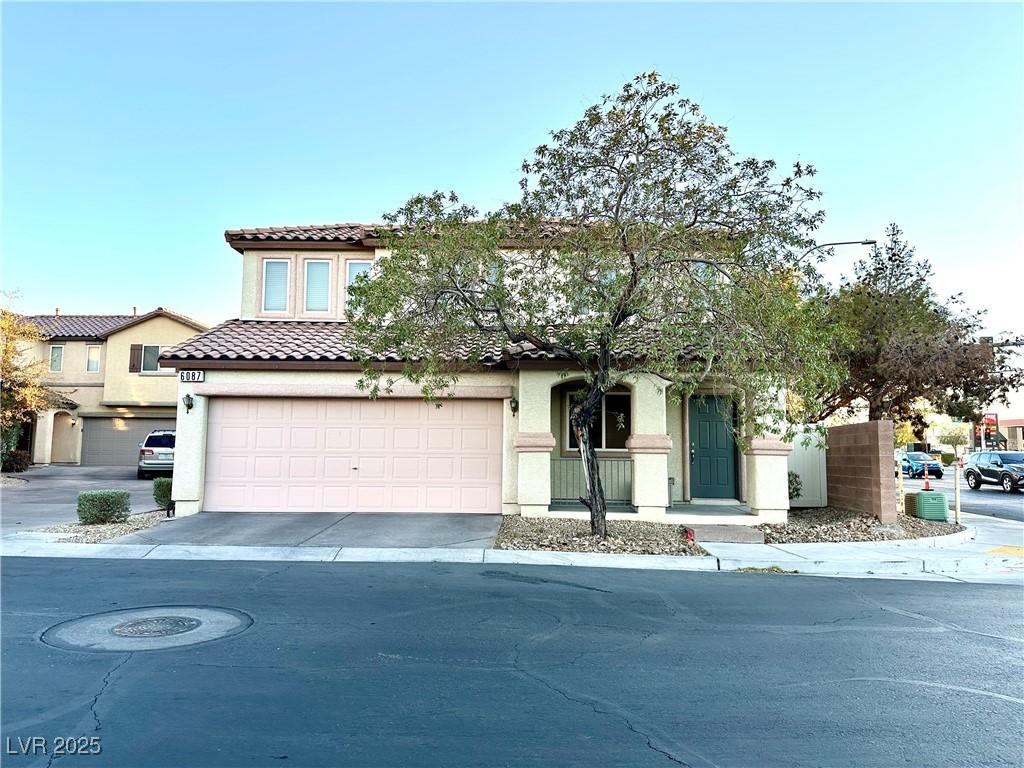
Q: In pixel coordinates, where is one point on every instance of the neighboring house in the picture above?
(278, 423)
(1014, 431)
(111, 388)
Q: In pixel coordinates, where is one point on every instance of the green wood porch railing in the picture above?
(567, 484)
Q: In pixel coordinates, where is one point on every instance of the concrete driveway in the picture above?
(323, 529)
(50, 495)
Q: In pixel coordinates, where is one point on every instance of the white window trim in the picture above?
(49, 362)
(159, 371)
(287, 289)
(305, 285)
(604, 423)
(99, 356)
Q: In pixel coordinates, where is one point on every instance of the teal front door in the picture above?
(712, 448)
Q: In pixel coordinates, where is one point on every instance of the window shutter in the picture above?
(135, 359)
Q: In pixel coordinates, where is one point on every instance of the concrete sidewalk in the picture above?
(990, 551)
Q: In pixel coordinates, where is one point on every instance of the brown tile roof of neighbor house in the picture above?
(71, 327)
(254, 341)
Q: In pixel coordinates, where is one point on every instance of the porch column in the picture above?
(534, 441)
(42, 438)
(189, 453)
(767, 463)
(649, 446)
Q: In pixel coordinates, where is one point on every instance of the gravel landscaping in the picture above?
(624, 537)
(832, 525)
(6, 481)
(76, 533)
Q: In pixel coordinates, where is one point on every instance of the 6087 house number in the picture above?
(57, 746)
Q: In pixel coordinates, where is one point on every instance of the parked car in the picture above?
(1002, 468)
(156, 453)
(913, 463)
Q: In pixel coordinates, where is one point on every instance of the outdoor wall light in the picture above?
(513, 405)
(188, 402)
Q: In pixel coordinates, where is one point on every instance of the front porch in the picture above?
(650, 467)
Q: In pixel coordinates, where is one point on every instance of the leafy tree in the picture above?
(955, 436)
(899, 342)
(904, 433)
(639, 244)
(21, 393)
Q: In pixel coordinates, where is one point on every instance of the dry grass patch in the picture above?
(624, 537)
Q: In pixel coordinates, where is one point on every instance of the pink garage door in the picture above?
(345, 455)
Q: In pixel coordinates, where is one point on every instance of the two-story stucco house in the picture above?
(275, 421)
(112, 389)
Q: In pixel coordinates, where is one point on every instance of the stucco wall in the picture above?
(120, 386)
(674, 425)
(859, 468)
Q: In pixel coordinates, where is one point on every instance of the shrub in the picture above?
(96, 507)
(162, 492)
(796, 485)
(9, 442)
(16, 461)
(948, 458)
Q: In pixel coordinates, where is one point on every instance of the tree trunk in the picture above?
(580, 420)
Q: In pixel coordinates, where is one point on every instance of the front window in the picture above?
(56, 358)
(318, 282)
(150, 358)
(275, 285)
(357, 268)
(610, 427)
(92, 359)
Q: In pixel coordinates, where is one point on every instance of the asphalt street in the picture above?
(988, 500)
(474, 665)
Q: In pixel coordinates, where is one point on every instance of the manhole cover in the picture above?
(157, 626)
(147, 629)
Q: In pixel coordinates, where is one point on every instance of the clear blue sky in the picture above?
(134, 134)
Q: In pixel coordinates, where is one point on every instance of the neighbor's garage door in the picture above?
(344, 455)
(115, 442)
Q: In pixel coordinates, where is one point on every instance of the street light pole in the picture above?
(841, 242)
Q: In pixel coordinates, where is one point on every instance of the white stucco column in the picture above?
(649, 446)
(534, 441)
(189, 453)
(42, 438)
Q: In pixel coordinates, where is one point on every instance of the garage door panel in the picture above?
(115, 441)
(353, 455)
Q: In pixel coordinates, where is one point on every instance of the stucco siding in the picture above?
(120, 386)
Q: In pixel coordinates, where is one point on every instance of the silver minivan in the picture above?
(156, 453)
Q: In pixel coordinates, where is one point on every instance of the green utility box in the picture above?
(930, 505)
(910, 503)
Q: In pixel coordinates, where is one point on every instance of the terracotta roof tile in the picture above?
(99, 326)
(301, 340)
(77, 326)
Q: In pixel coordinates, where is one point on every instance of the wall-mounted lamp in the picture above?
(188, 402)
(513, 405)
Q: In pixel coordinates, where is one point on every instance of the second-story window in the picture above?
(56, 358)
(150, 358)
(318, 286)
(92, 358)
(275, 285)
(357, 268)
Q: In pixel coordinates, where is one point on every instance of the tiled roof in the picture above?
(297, 340)
(99, 326)
(328, 233)
(78, 326)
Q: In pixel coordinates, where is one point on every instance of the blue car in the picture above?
(913, 463)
